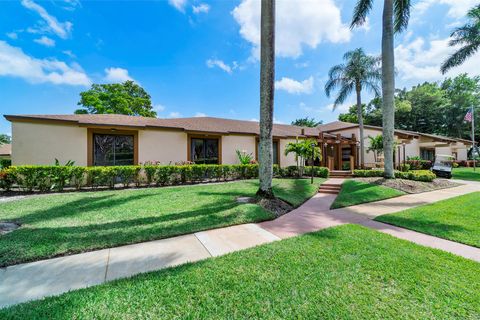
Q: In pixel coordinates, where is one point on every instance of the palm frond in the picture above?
(459, 57)
(362, 9)
(344, 92)
(402, 15)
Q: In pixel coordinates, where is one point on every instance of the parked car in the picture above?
(442, 166)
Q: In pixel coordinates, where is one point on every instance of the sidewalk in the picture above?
(29, 281)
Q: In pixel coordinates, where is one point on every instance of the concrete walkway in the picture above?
(29, 281)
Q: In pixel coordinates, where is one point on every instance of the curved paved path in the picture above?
(29, 281)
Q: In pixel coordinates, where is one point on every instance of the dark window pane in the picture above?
(103, 151)
(275, 152)
(204, 151)
(113, 150)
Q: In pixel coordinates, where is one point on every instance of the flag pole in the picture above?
(473, 136)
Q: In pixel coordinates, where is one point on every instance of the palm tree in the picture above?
(396, 14)
(358, 72)
(267, 77)
(468, 36)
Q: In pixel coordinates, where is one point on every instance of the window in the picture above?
(113, 150)
(275, 151)
(427, 154)
(204, 151)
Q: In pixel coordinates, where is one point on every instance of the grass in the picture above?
(466, 174)
(456, 219)
(346, 272)
(355, 192)
(70, 223)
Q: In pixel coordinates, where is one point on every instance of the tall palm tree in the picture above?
(468, 36)
(360, 71)
(267, 77)
(396, 14)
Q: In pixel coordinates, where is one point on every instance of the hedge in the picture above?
(56, 178)
(417, 175)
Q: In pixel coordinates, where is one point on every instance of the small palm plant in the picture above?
(468, 36)
(244, 157)
(376, 146)
(303, 150)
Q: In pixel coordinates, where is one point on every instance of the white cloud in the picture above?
(178, 4)
(61, 29)
(200, 115)
(15, 63)
(420, 60)
(201, 8)
(12, 35)
(117, 75)
(159, 107)
(298, 25)
(174, 114)
(45, 41)
(294, 86)
(69, 53)
(254, 120)
(457, 8)
(212, 63)
(344, 107)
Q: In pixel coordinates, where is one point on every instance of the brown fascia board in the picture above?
(13, 118)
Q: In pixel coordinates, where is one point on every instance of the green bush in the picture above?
(417, 175)
(320, 172)
(5, 163)
(57, 177)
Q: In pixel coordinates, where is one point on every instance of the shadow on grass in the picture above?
(29, 244)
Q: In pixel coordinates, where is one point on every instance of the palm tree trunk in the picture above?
(388, 87)
(267, 77)
(360, 124)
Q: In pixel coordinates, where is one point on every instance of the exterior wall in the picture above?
(164, 146)
(443, 150)
(412, 149)
(289, 160)
(41, 144)
(232, 143)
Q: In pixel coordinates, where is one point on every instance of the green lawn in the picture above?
(346, 272)
(356, 192)
(456, 219)
(76, 222)
(466, 174)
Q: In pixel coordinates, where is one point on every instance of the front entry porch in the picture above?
(339, 153)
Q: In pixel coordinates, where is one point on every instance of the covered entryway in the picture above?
(339, 152)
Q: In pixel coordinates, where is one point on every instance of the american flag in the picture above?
(468, 116)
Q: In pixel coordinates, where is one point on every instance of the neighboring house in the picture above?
(409, 143)
(5, 151)
(124, 140)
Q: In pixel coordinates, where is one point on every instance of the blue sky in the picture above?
(200, 57)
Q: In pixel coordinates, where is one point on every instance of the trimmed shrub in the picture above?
(5, 163)
(7, 179)
(416, 175)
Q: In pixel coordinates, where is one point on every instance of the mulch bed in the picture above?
(410, 186)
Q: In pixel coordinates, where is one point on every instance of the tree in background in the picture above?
(267, 78)
(117, 98)
(396, 14)
(306, 122)
(430, 107)
(360, 71)
(466, 36)
(5, 139)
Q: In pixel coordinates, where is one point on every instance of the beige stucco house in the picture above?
(122, 140)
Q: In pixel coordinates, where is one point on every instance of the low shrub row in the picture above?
(419, 164)
(416, 175)
(57, 178)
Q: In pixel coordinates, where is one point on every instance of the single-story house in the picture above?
(5, 151)
(107, 139)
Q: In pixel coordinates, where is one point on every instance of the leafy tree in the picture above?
(468, 37)
(396, 14)
(306, 122)
(5, 139)
(267, 78)
(118, 98)
(359, 72)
